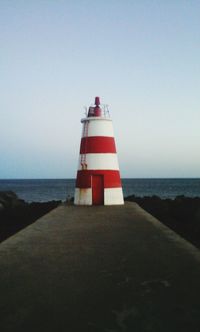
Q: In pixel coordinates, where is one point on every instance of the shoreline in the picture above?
(181, 214)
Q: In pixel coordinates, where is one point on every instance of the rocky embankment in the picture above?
(16, 214)
(181, 214)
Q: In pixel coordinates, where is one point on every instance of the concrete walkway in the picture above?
(99, 269)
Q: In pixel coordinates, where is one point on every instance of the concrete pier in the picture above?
(99, 269)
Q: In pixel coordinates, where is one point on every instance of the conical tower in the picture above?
(98, 178)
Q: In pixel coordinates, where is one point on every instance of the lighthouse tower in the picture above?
(98, 179)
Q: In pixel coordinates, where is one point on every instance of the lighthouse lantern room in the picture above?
(98, 178)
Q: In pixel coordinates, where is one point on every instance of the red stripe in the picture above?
(97, 144)
(111, 178)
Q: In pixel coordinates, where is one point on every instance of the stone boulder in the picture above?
(8, 199)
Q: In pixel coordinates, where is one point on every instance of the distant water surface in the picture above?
(60, 189)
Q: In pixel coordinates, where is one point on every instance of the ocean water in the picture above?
(60, 189)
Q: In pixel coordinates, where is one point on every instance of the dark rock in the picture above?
(1, 206)
(9, 199)
(15, 213)
(181, 214)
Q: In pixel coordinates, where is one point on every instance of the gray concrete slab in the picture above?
(99, 269)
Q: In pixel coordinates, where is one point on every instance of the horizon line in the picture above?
(122, 178)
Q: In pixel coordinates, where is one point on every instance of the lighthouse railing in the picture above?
(105, 113)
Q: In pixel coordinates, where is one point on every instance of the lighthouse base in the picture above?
(111, 196)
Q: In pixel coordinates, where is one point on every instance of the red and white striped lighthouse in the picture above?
(98, 178)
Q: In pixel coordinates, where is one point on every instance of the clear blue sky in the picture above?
(141, 57)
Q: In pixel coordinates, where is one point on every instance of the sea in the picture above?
(43, 190)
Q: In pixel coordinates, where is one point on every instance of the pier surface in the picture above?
(103, 268)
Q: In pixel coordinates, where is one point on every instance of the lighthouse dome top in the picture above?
(97, 110)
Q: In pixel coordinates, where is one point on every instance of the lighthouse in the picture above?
(98, 178)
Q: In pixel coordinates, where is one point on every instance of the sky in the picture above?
(142, 57)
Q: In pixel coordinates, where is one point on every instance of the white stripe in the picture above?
(113, 196)
(100, 161)
(83, 196)
(97, 127)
